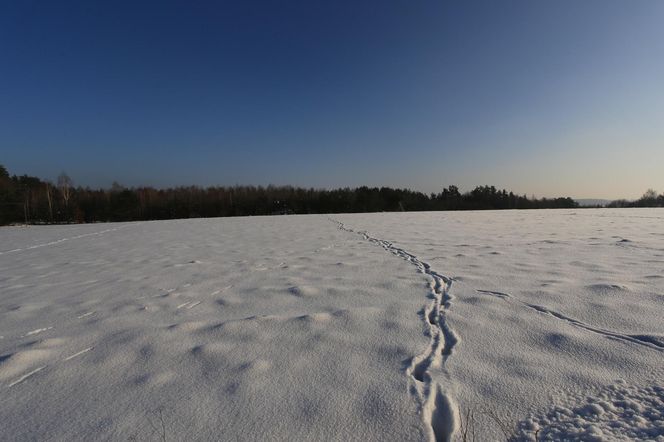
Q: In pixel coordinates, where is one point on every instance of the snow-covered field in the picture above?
(408, 326)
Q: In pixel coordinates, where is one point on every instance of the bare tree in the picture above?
(650, 194)
(49, 197)
(65, 184)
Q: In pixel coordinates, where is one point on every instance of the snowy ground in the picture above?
(377, 327)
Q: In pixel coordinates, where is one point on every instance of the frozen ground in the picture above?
(379, 327)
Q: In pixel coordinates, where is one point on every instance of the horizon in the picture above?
(550, 100)
(462, 190)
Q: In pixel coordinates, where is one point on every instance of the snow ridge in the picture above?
(645, 340)
(439, 412)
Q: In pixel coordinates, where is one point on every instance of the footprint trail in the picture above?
(439, 412)
(644, 340)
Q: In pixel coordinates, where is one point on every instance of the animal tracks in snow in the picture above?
(640, 339)
(61, 240)
(438, 410)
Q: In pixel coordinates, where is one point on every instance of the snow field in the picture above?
(539, 324)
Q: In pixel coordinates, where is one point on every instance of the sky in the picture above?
(545, 98)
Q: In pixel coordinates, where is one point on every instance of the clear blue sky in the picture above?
(555, 97)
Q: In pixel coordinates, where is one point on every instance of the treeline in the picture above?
(26, 199)
(649, 199)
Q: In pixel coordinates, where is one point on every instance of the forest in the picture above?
(649, 199)
(28, 199)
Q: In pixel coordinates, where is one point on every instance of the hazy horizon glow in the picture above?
(544, 98)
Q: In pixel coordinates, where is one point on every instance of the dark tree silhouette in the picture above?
(31, 200)
(649, 199)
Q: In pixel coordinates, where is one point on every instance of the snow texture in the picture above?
(544, 324)
(618, 412)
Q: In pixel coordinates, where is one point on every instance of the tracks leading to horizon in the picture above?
(437, 408)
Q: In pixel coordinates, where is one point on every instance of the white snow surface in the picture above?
(521, 325)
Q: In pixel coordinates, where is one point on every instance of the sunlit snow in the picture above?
(408, 326)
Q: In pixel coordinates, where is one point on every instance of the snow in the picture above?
(412, 326)
(618, 412)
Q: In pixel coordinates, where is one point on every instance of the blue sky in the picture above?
(545, 98)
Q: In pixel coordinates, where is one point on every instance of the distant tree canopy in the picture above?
(649, 199)
(30, 200)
